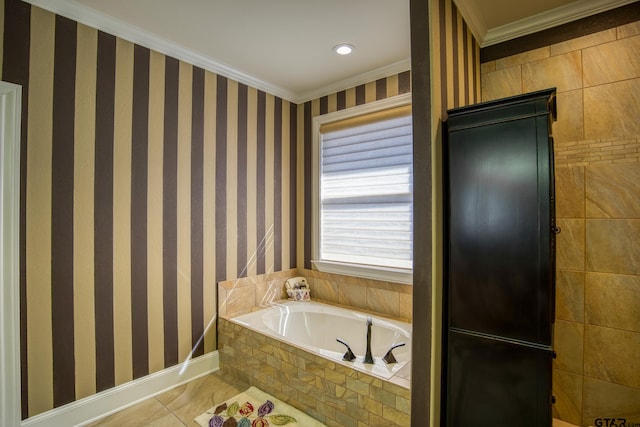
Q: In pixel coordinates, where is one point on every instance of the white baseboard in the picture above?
(113, 400)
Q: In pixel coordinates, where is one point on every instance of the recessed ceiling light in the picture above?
(343, 49)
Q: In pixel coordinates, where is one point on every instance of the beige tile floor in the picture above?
(558, 423)
(176, 407)
(180, 405)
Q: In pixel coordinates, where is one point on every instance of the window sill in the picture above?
(395, 275)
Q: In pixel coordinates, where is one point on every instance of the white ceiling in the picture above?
(285, 46)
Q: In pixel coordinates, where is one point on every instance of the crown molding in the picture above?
(369, 76)
(473, 17)
(88, 16)
(85, 15)
(549, 19)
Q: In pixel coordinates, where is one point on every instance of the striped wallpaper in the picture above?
(145, 181)
(455, 71)
(388, 87)
(455, 82)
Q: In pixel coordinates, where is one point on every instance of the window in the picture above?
(364, 181)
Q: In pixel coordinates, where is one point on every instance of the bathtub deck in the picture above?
(399, 374)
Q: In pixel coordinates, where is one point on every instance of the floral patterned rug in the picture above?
(255, 408)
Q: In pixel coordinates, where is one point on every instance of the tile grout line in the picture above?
(169, 410)
(584, 290)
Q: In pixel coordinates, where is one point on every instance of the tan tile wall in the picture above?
(244, 295)
(597, 371)
(597, 158)
(332, 393)
(598, 89)
(384, 298)
(247, 294)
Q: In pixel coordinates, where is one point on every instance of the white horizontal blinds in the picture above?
(366, 193)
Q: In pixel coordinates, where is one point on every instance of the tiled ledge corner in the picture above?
(246, 294)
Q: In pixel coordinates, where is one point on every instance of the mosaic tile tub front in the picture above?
(330, 392)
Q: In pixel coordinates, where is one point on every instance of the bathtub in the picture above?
(314, 327)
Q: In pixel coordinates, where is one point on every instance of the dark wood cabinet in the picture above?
(499, 263)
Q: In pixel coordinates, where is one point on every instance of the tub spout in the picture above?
(368, 358)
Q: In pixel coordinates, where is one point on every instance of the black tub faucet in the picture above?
(368, 358)
(389, 357)
(348, 356)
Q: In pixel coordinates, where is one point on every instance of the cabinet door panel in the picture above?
(494, 230)
(493, 383)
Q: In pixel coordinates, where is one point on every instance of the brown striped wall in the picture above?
(455, 82)
(145, 181)
(455, 67)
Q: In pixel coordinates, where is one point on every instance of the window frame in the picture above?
(397, 275)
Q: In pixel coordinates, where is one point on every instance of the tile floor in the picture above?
(180, 405)
(558, 423)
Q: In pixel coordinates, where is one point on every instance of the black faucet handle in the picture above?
(389, 357)
(348, 356)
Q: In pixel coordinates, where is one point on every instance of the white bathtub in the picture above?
(314, 327)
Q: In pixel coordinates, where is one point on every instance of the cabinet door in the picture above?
(496, 383)
(497, 230)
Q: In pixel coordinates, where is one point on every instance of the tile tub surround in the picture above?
(387, 299)
(329, 392)
(384, 298)
(247, 294)
(315, 327)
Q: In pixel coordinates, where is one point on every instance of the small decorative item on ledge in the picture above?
(298, 289)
